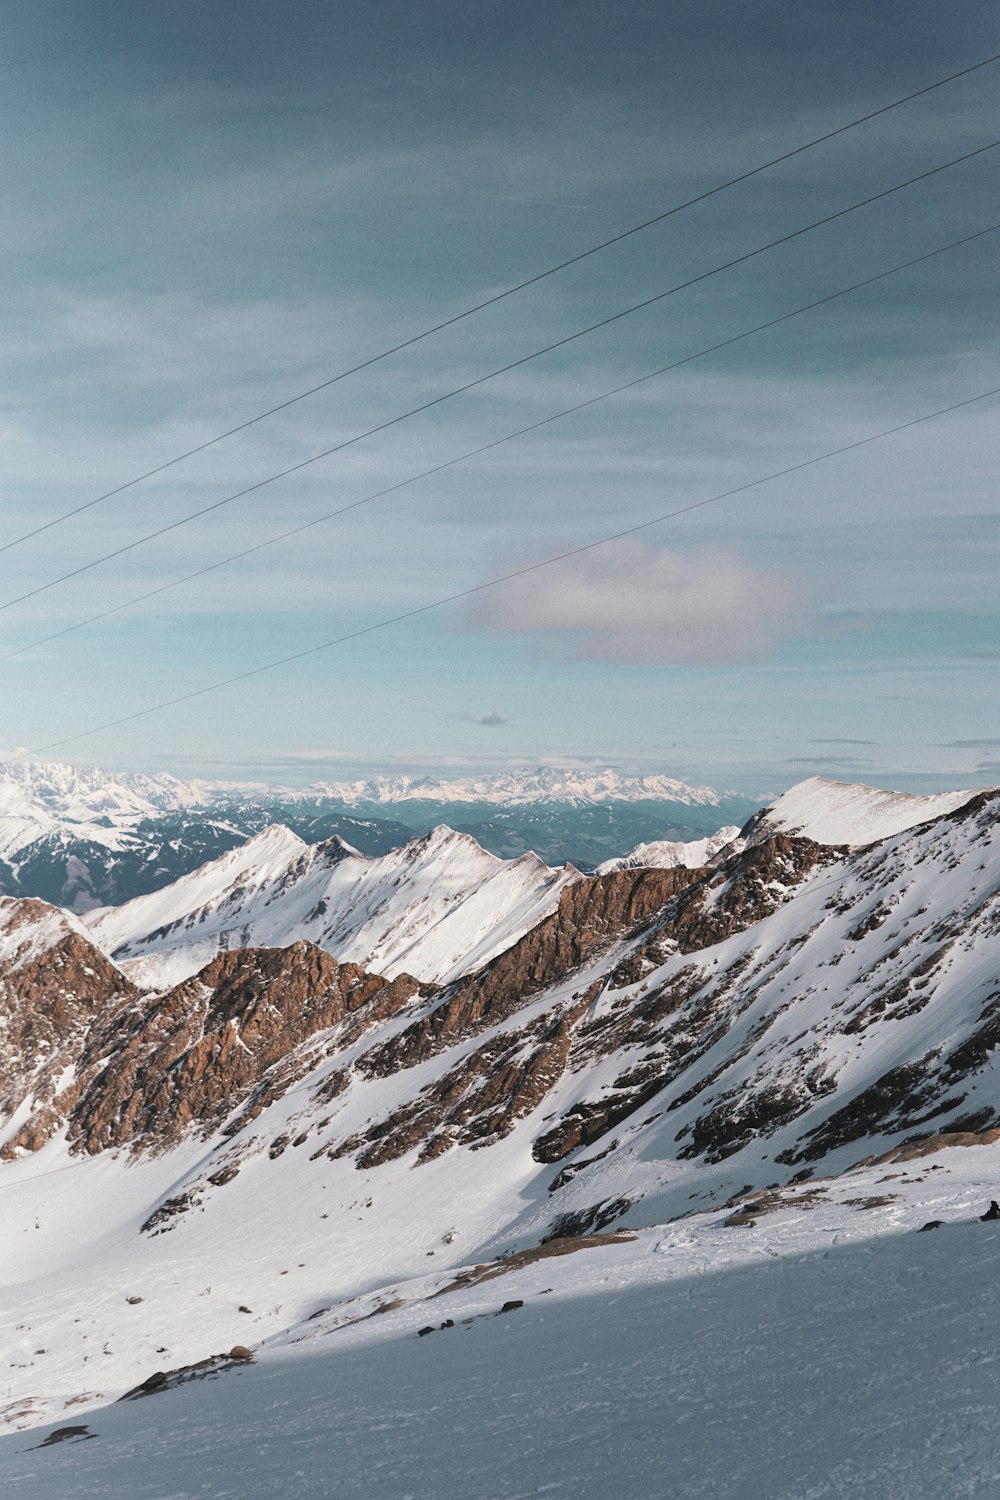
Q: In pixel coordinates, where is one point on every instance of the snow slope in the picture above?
(774, 1082)
(664, 854)
(847, 1362)
(436, 907)
(839, 812)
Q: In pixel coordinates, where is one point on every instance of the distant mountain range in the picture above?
(86, 838)
(434, 908)
(439, 905)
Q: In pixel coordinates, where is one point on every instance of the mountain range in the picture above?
(87, 838)
(371, 1104)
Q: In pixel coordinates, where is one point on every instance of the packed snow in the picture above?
(819, 1356)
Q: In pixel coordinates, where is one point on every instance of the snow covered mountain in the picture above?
(843, 812)
(38, 797)
(87, 838)
(434, 908)
(663, 854)
(732, 1089)
(511, 789)
(437, 907)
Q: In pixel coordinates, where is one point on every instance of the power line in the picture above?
(501, 296)
(498, 442)
(548, 562)
(494, 374)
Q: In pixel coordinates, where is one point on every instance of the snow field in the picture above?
(838, 1368)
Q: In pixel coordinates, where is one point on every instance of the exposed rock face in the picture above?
(479, 1101)
(54, 988)
(144, 1069)
(820, 996)
(592, 914)
(207, 1045)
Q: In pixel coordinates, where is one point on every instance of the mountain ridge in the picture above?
(85, 838)
(735, 1060)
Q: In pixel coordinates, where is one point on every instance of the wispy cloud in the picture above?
(489, 721)
(637, 603)
(845, 762)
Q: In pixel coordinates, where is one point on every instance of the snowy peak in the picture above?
(434, 907)
(840, 812)
(515, 789)
(51, 792)
(664, 854)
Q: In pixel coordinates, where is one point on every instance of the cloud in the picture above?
(829, 760)
(635, 603)
(490, 721)
(840, 741)
(988, 744)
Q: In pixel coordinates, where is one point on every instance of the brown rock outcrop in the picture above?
(142, 1069)
(203, 1048)
(54, 986)
(479, 1101)
(592, 914)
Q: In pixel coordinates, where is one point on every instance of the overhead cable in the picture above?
(501, 296)
(548, 562)
(494, 374)
(450, 463)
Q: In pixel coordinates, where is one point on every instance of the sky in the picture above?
(209, 209)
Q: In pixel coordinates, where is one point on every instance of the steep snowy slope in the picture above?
(434, 908)
(663, 854)
(840, 812)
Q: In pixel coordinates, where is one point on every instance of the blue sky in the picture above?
(209, 208)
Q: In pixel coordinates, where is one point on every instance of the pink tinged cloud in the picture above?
(638, 604)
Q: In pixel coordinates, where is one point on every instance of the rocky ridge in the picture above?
(701, 987)
(436, 907)
(800, 1031)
